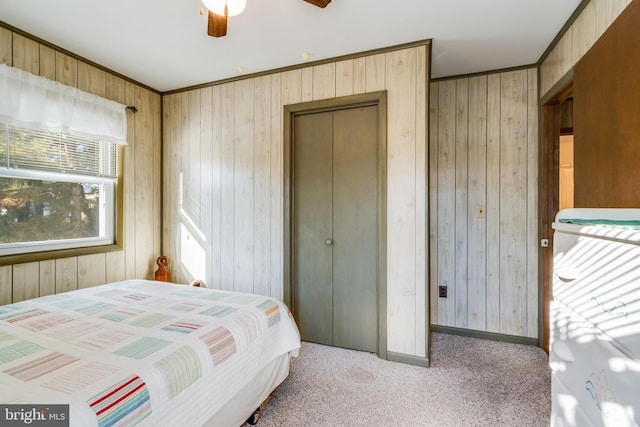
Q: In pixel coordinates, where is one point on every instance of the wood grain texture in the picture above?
(91, 79)
(461, 243)
(421, 202)
(47, 277)
(243, 185)
(66, 274)
(477, 225)
(6, 47)
(400, 75)
(246, 212)
(26, 281)
(446, 191)
(484, 202)
(92, 270)
(262, 186)
(6, 289)
(532, 209)
(596, 17)
(607, 117)
(66, 69)
(513, 203)
(434, 128)
(47, 62)
(26, 54)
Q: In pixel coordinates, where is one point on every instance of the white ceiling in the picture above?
(163, 43)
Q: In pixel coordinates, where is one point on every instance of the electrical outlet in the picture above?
(480, 211)
(442, 291)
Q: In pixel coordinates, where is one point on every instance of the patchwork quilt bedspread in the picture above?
(139, 352)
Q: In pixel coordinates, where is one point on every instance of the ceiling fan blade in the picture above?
(217, 26)
(319, 3)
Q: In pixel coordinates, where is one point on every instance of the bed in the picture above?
(142, 352)
(595, 318)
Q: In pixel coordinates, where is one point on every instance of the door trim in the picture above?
(378, 99)
(548, 198)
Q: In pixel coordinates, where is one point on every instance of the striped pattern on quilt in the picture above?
(124, 404)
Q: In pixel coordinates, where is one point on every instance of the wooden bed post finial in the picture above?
(162, 274)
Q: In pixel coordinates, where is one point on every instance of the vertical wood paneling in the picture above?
(485, 222)
(596, 17)
(359, 75)
(493, 203)
(26, 54)
(401, 169)
(6, 290)
(227, 189)
(446, 190)
(129, 196)
(277, 178)
(244, 173)
(91, 79)
(6, 47)
(375, 73)
(584, 34)
(532, 205)
(324, 81)
(344, 78)
(26, 281)
(47, 277)
(262, 187)
(66, 274)
(66, 69)
(434, 128)
(216, 200)
(307, 84)
(144, 187)
(513, 203)
(421, 213)
(206, 178)
(91, 270)
(114, 266)
(477, 225)
(247, 176)
(461, 186)
(47, 62)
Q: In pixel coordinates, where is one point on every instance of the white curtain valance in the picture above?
(35, 102)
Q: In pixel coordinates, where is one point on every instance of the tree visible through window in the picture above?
(56, 191)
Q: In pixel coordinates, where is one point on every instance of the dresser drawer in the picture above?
(603, 380)
(566, 411)
(599, 279)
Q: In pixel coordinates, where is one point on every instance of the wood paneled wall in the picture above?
(483, 202)
(596, 17)
(223, 171)
(141, 178)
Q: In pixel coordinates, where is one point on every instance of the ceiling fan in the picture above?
(219, 12)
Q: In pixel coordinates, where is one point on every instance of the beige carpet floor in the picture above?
(471, 382)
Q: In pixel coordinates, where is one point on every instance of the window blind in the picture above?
(59, 152)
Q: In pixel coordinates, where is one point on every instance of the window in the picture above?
(57, 191)
(58, 164)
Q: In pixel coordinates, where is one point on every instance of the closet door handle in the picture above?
(329, 242)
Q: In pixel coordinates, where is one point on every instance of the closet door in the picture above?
(336, 227)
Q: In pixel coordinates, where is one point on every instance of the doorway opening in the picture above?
(556, 183)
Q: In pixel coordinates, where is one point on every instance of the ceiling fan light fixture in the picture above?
(235, 7)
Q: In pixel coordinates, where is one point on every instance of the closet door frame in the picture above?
(378, 99)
